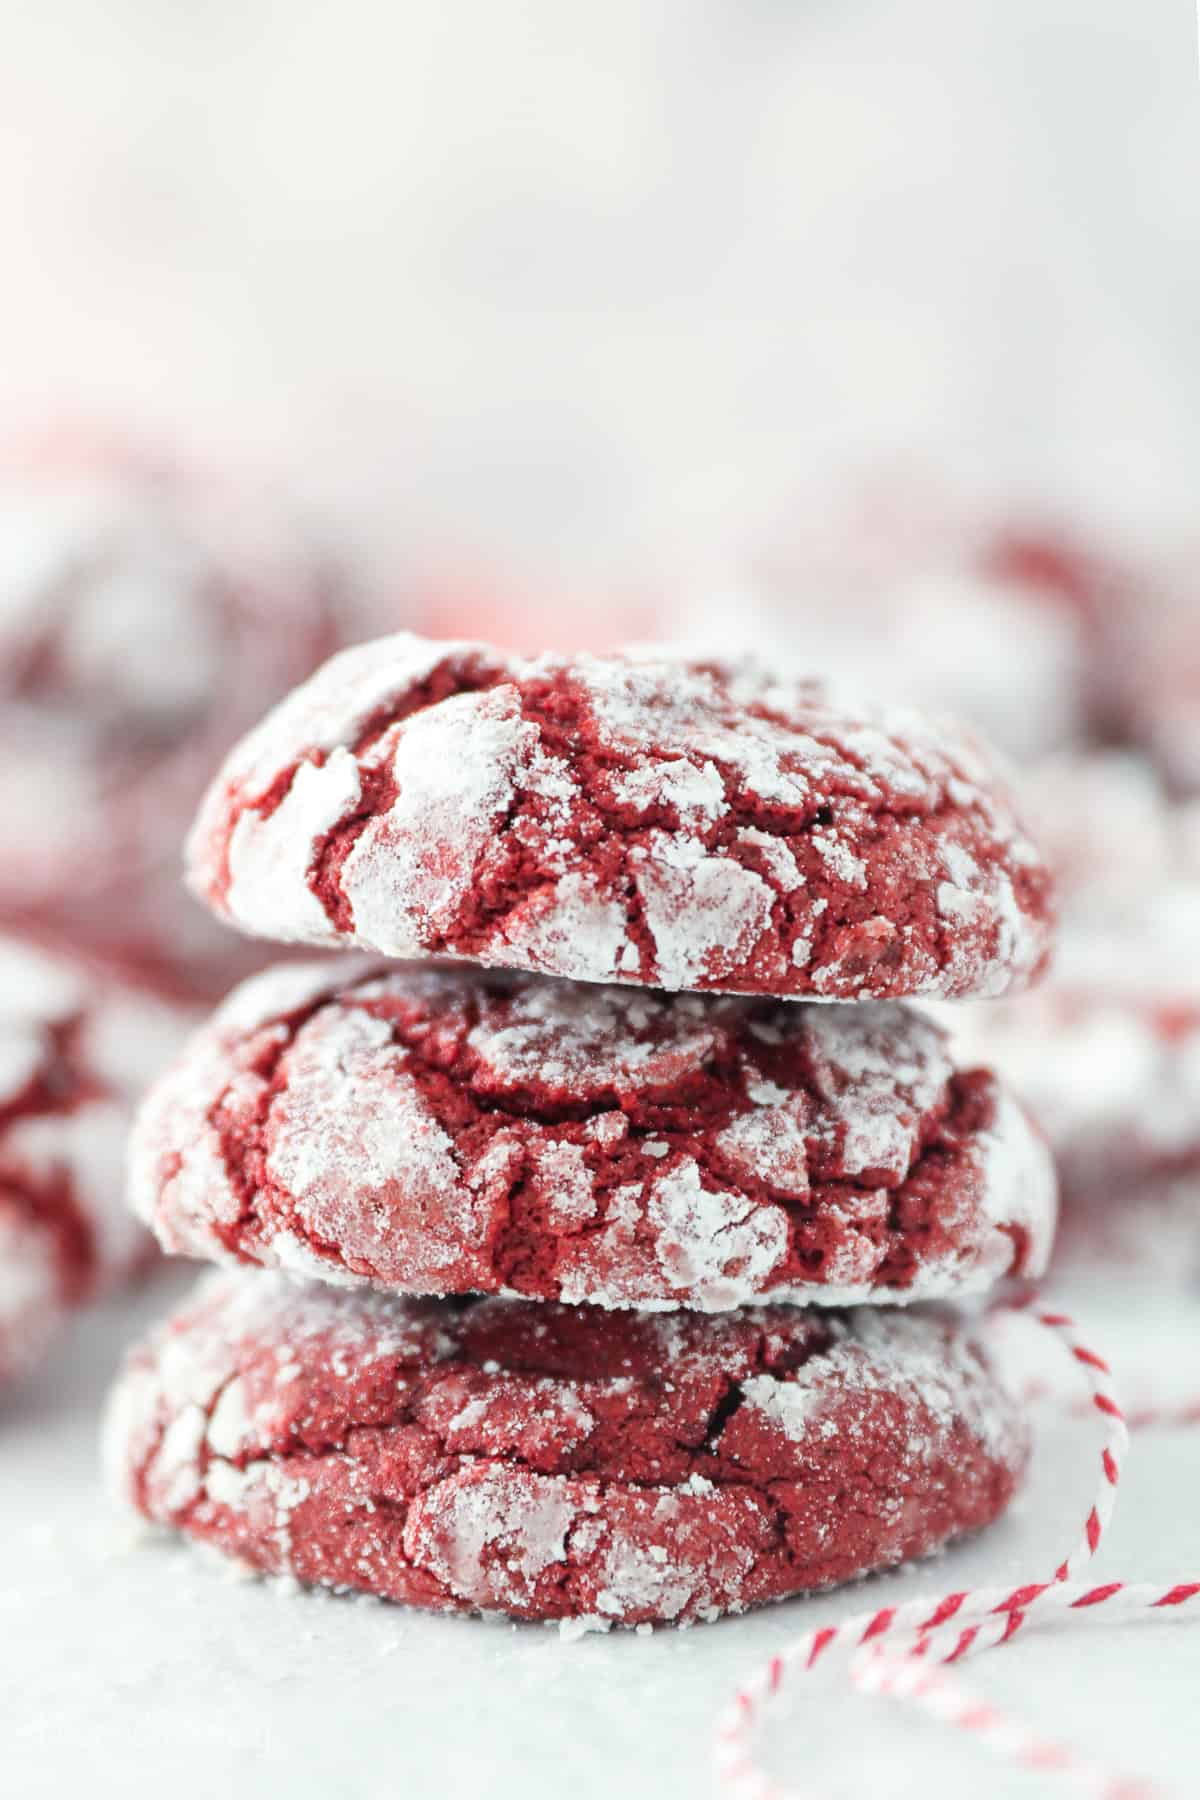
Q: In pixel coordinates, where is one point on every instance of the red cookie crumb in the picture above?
(625, 818)
(73, 1053)
(145, 620)
(441, 1131)
(556, 1462)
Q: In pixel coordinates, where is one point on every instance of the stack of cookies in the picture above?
(592, 1241)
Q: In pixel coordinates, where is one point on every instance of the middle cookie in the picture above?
(445, 1131)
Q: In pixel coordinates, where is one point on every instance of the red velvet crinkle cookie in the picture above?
(449, 1130)
(680, 825)
(146, 617)
(72, 1055)
(556, 1462)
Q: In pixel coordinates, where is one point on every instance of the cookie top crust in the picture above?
(632, 818)
(555, 1462)
(450, 1130)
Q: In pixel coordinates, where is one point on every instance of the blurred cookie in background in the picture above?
(1155, 675)
(76, 1048)
(898, 589)
(1107, 1053)
(1108, 826)
(147, 615)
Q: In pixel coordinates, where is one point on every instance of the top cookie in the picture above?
(632, 818)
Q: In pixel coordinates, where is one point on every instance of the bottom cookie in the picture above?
(560, 1462)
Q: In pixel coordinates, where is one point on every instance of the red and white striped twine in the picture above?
(915, 1670)
(904, 1650)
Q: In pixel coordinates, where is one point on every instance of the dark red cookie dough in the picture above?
(452, 1130)
(146, 617)
(72, 1053)
(555, 1462)
(681, 825)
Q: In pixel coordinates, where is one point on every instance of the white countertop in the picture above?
(131, 1665)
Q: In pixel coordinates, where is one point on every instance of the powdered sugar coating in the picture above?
(628, 818)
(449, 1130)
(71, 1061)
(556, 1463)
(144, 621)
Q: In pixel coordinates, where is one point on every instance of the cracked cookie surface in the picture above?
(636, 818)
(449, 1130)
(554, 1462)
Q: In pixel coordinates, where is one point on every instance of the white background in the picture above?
(605, 285)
